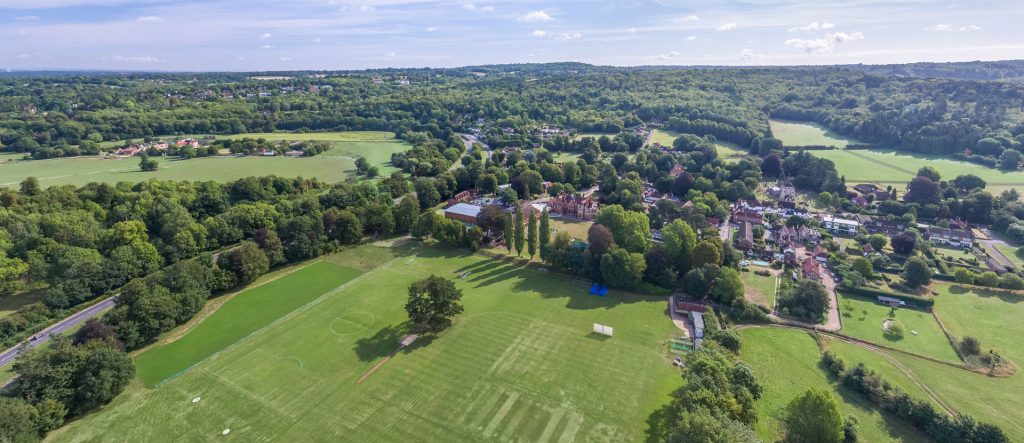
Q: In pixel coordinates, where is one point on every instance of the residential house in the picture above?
(866, 188)
(840, 226)
(821, 254)
(745, 239)
(748, 215)
(462, 197)
(811, 269)
(951, 237)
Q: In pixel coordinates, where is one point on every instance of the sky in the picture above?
(250, 35)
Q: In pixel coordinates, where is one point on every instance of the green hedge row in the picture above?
(868, 292)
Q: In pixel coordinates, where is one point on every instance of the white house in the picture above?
(838, 225)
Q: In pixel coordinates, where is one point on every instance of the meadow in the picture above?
(863, 318)
(520, 364)
(337, 164)
(793, 133)
(728, 152)
(575, 228)
(993, 317)
(786, 362)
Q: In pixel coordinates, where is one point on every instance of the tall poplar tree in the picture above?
(520, 236)
(509, 233)
(531, 234)
(544, 236)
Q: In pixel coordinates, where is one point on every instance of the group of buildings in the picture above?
(156, 146)
(466, 206)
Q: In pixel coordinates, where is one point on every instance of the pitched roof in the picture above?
(464, 209)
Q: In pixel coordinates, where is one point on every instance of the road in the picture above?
(9, 355)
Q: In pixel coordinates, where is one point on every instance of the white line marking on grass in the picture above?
(297, 359)
(487, 408)
(575, 420)
(552, 424)
(501, 414)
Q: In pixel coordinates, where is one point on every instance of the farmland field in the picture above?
(334, 165)
(929, 341)
(786, 362)
(575, 228)
(794, 133)
(519, 364)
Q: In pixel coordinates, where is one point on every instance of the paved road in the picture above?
(9, 355)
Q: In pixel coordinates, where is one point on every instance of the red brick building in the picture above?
(573, 205)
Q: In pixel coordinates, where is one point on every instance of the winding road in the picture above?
(43, 336)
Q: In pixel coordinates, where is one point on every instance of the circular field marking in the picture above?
(196, 400)
(295, 359)
(225, 432)
(352, 322)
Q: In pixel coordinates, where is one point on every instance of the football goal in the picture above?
(602, 329)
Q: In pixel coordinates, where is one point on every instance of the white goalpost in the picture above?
(603, 330)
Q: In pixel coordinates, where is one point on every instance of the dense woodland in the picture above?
(166, 247)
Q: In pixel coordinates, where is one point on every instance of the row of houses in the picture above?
(138, 148)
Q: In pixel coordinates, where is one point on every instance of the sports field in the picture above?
(334, 165)
(793, 133)
(759, 289)
(575, 228)
(520, 364)
(863, 318)
(244, 314)
(786, 362)
(993, 317)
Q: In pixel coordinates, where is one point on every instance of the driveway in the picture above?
(832, 320)
(681, 321)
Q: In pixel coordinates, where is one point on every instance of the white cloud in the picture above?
(569, 36)
(824, 44)
(265, 36)
(140, 59)
(687, 19)
(390, 54)
(150, 19)
(669, 55)
(750, 55)
(284, 59)
(365, 8)
(266, 46)
(538, 33)
(430, 28)
(727, 27)
(813, 26)
(942, 27)
(690, 38)
(473, 7)
(536, 16)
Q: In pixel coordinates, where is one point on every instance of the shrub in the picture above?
(970, 346)
(894, 330)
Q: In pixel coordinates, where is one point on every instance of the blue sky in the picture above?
(232, 35)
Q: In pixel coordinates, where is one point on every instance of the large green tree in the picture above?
(434, 302)
(631, 229)
(623, 269)
(680, 240)
(519, 234)
(813, 417)
(544, 234)
(531, 234)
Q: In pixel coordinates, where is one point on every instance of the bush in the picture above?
(970, 346)
(894, 330)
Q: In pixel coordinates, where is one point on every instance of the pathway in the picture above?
(681, 321)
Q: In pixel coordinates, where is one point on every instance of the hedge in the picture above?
(868, 292)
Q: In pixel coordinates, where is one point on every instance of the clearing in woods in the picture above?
(520, 364)
(793, 133)
(335, 165)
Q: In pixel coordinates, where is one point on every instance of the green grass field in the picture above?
(13, 302)
(566, 157)
(758, 289)
(786, 362)
(242, 315)
(664, 137)
(891, 167)
(793, 133)
(337, 164)
(1013, 254)
(929, 340)
(993, 317)
(575, 228)
(730, 153)
(520, 364)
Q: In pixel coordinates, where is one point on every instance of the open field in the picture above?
(575, 228)
(786, 362)
(664, 137)
(334, 165)
(793, 133)
(519, 364)
(242, 315)
(729, 153)
(892, 167)
(759, 289)
(993, 317)
(1011, 253)
(593, 135)
(862, 318)
(566, 157)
